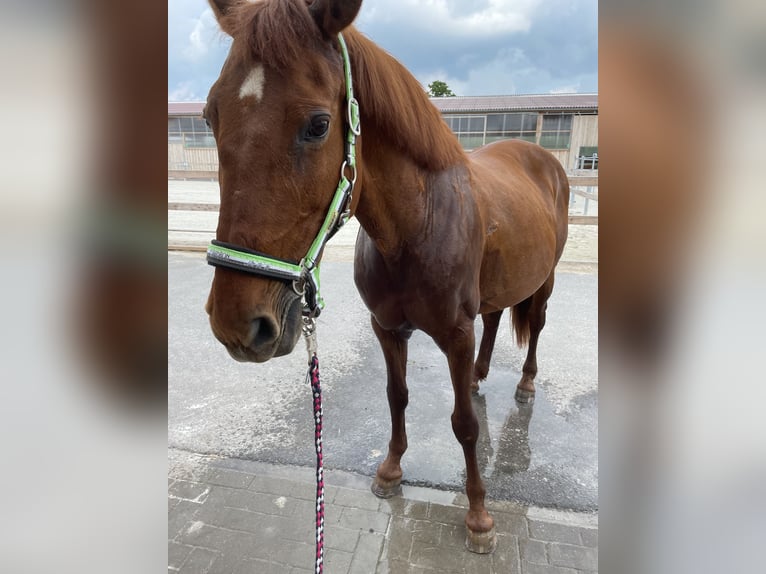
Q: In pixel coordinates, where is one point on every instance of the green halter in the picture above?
(304, 274)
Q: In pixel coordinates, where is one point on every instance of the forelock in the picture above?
(274, 31)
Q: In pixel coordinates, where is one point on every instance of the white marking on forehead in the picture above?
(253, 84)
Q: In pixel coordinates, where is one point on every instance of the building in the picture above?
(565, 124)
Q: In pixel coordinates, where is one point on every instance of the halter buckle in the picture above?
(354, 120)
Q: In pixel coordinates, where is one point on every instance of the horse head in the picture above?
(278, 114)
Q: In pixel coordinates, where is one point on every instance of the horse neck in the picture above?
(404, 143)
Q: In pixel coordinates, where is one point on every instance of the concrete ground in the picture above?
(241, 452)
(234, 516)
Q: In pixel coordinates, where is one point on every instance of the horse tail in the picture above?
(520, 321)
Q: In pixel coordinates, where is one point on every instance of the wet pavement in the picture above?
(234, 516)
(241, 479)
(544, 455)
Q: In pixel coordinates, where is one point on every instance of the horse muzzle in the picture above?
(264, 335)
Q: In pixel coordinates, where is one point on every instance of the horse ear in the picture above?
(221, 9)
(332, 16)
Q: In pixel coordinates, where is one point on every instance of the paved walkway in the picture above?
(229, 516)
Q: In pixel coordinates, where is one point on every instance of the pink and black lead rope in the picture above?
(316, 389)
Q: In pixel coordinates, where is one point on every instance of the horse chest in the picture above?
(411, 292)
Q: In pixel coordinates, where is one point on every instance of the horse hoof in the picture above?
(524, 396)
(481, 542)
(386, 488)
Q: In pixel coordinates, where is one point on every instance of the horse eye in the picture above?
(318, 127)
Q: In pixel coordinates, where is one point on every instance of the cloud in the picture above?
(453, 17)
(198, 38)
(196, 49)
(528, 47)
(479, 47)
(183, 92)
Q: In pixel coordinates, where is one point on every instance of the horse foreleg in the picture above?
(525, 390)
(481, 536)
(481, 366)
(394, 344)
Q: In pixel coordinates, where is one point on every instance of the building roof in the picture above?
(534, 102)
(185, 108)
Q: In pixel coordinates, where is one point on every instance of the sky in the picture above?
(478, 47)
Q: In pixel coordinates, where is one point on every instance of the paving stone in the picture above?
(447, 514)
(505, 558)
(367, 553)
(356, 499)
(177, 553)
(294, 553)
(179, 516)
(553, 532)
(218, 495)
(229, 542)
(403, 507)
(452, 536)
(190, 491)
(231, 478)
(515, 524)
(533, 551)
(250, 566)
(364, 520)
(478, 563)
(291, 488)
(199, 561)
(439, 558)
(337, 562)
(393, 567)
(530, 568)
(589, 537)
(340, 538)
(431, 535)
(572, 556)
(238, 519)
(263, 503)
(400, 538)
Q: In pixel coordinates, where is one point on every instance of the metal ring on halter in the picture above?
(302, 283)
(352, 167)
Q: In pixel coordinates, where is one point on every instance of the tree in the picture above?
(439, 89)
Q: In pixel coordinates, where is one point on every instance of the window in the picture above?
(469, 129)
(192, 131)
(556, 131)
(174, 131)
(199, 140)
(587, 158)
(507, 126)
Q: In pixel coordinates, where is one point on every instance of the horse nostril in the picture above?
(264, 332)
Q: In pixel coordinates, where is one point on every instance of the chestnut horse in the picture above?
(444, 235)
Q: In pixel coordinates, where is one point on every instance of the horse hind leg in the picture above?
(481, 366)
(528, 321)
(388, 478)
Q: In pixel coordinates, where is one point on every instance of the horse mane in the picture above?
(397, 106)
(392, 101)
(276, 32)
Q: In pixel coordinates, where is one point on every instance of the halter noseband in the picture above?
(304, 275)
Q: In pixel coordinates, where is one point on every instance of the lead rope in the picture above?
(312, 376)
